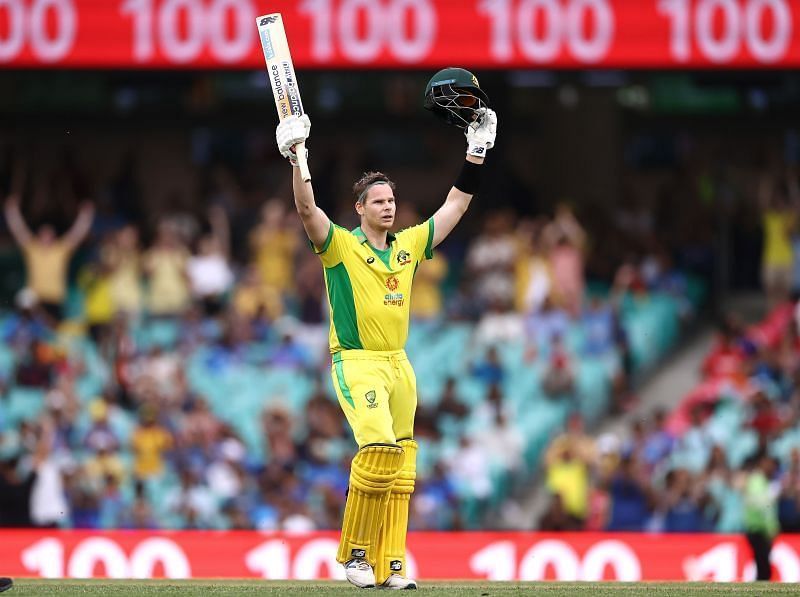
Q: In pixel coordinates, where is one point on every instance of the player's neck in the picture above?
(376, 238)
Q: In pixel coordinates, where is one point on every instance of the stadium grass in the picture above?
(124, 588)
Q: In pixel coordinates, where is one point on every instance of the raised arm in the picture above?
(316, 223)
(480, 138)
(290, 132)
(14, 219)
(16, 223)
(220, 228)
(83, 223)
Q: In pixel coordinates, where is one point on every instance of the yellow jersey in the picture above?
(369, 290)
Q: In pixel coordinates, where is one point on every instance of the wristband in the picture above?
(469, 179)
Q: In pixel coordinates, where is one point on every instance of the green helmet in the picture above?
(453, 94)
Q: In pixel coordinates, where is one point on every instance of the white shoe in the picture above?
(360, 573)
(395, 581)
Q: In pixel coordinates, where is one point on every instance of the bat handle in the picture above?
(302, 162)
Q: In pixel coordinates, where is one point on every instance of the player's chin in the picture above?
(387, 223)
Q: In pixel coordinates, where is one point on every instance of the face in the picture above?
(378, 208)
(46, 234)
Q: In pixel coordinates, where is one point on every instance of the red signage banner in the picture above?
(480, 556)
(403, 33)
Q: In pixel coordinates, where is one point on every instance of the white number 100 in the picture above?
(384, 29)
(206, 25)
(738, 24)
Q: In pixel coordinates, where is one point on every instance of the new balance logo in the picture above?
(358, 553)
(395, 565)
(268, 20)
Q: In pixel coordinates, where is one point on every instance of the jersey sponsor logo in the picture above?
(372, 399)
(403, 258)
(393, 299)
(370, 260)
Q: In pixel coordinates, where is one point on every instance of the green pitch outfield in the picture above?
(68, 588)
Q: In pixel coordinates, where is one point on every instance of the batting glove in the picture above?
(291, 131)
(481, 133)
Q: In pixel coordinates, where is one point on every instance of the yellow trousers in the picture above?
(377, 391)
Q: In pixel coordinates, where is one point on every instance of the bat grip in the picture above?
(302, 162)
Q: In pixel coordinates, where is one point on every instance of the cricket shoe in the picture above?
(397, 582)
(360, 573)
(5, 584)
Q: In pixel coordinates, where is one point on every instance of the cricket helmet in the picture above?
(454, 95)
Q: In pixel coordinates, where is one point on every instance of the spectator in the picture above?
(503, 442)
(209, 270)
(558, 381)
(568, 242)
(556, 518)
(631, 498)
(273, 244)
(764, 418)
(192, 501)
(255, 300)
(659, 442)
(534, 272)
(567, 475)
(36, 367)
(449, 403)
(47, 255)
(778, 220)
(760, 514)
(490, 261)
(28, 322)
(598, 326)
(165, 266)
(683, 503)
(428, 303)
(546, 325)
(490, 371)
(95, 282)
(150, 442)
(124, 257)
(100, 435)
(469, 468)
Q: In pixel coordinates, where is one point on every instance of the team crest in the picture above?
(371, 398)
(392, 283)
(475, 81)
(403, 257)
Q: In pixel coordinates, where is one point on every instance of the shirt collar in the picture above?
(362, 238)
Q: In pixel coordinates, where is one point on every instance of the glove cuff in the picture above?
(477, 150)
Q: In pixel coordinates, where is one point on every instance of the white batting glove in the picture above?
(481, 133)
(291, 131)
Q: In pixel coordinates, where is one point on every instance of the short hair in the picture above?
(368, 179)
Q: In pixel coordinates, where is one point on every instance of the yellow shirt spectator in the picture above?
(168, 291)
(274, 252)
(778, 226)
(46, 265)
(149, 442)
(569, 478)
(427, 301)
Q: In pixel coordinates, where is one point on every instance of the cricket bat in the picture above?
(281, 77)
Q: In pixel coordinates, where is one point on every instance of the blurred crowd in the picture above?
(148, 450)
(725, 459)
